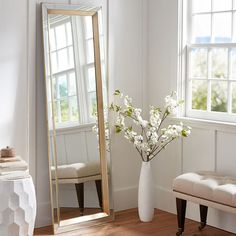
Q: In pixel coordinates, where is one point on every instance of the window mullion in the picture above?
(208, 80)
(69, 97)
(229, 92)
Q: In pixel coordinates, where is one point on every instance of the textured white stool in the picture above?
(17, 207)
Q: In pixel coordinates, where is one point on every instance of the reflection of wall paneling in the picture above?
(76, 144)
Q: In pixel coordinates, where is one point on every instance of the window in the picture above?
(208, 63)
(73, 72)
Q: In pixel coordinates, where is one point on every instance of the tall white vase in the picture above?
(146, 193)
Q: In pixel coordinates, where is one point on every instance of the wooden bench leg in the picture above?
(181, 210)
(203, 216)
(99, 191)
(80, 196)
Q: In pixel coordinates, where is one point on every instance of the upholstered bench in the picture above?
(208, 189)
(78, 174)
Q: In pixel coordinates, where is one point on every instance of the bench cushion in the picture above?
(77, 170)
(208, 185)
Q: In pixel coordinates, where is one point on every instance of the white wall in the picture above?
(127, 66)
(15, 75)
(210, 146)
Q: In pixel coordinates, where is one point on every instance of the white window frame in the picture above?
(184, 90)
(81, 74)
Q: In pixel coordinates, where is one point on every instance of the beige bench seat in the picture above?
(209, 186)
(76, 170)
(206, 188)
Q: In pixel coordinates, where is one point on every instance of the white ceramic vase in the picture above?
(146, 193)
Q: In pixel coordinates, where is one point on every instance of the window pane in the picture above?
(91, 80)
(201, 5)
(63, 61)
(88, 27)
(222, 5)
(233, 97)
(202, 28)
(234, 4)
(72, 81)
(199, 94)
(54, 62)
(92, 105)
(52, 40)
(64, 110)
(90, 51)
(74, 109)
(55, 112)
(198, 60)
(71, 57)
(219, 96)
(219, 63)
(69, 33)
(234, 24)
(60, 36)
(233, 63)
(54, 88)
(221, 27)
(62, 86)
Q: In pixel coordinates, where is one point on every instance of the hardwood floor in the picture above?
(127, 224)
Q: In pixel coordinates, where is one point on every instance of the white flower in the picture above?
(130, 134)
(137, 112)
(120, 120)
(155, 120)
(127, 101)
(171, 104)
(138, 140)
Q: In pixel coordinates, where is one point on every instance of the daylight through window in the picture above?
(209, 30)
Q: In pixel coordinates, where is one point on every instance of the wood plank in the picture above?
(127, 223)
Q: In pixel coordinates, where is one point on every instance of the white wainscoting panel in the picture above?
(199, 150)
(226, 153)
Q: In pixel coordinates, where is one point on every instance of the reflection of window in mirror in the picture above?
(72, 69)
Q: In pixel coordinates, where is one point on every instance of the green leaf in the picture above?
(130, 128)
(117, 92)
(118, 108)
(118, 129)
(111, 107)
(184, 133)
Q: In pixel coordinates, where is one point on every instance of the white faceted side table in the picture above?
(17, 207)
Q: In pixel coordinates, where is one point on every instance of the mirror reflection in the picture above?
(76, 95)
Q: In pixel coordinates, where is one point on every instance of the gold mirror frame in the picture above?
(60, 226)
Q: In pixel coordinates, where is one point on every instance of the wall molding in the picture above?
(43, 214)
(125, 198)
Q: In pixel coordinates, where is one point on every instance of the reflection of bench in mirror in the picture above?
(78, 174)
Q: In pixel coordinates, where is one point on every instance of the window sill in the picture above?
(207, 124)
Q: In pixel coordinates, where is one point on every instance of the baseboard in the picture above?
(43, 215)
(165, 201)
(125, 198)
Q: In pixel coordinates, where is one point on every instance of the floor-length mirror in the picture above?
(78, 135)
